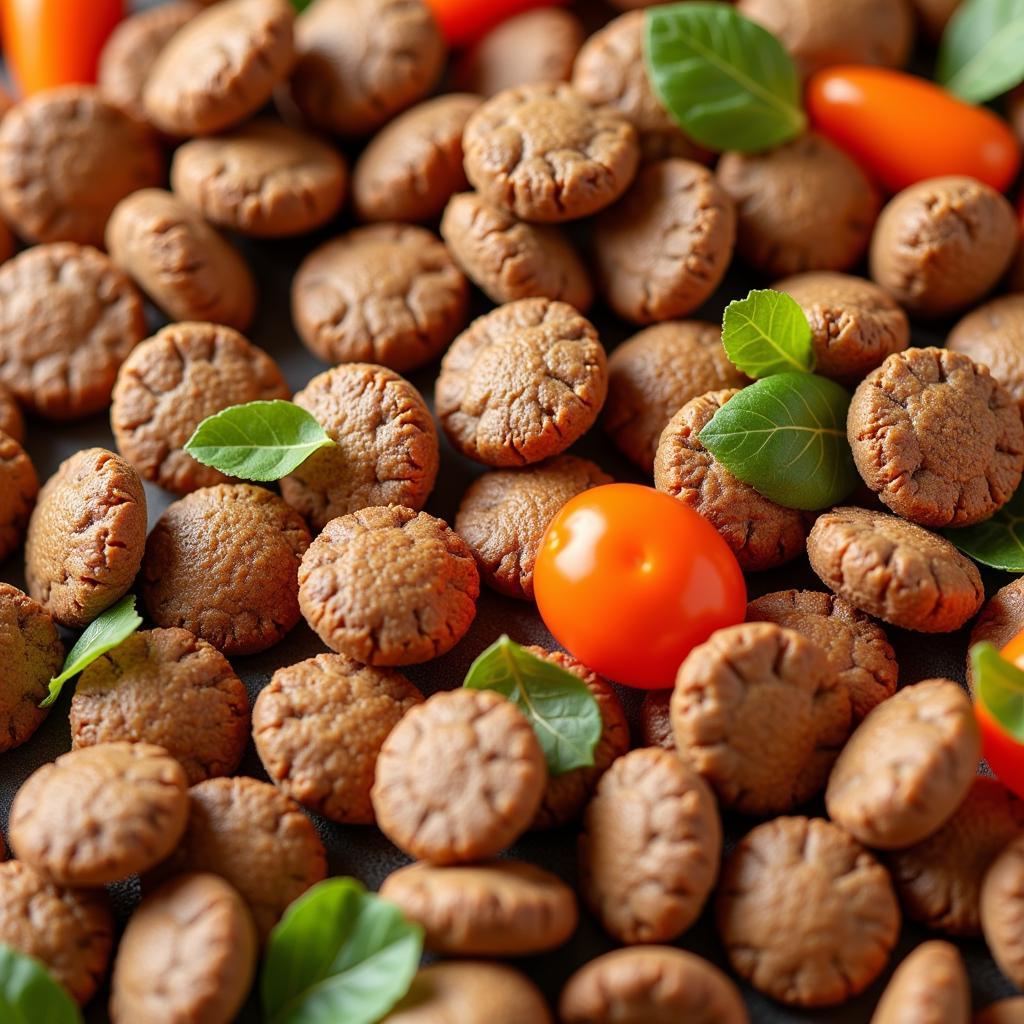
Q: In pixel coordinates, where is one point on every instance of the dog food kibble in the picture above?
(908, 767)
(993, 335)
(504, 514)
(69, 931)
(656, 720)
(508, 259)
(386, 445)
(169, 688)
(1001, 619)
(545, 154)
(12, 422)
(650, 847)
(68, 319)
(459, 778)
(319, 726)
(666, 246)
(86, 536)
(507, 908)
(188, 954)
(522, 383)
(19, 486)
(650, 985)
(100, 814)
(929, 987)
(1006, 1011)
(264, 179)
(186, 267)
(387, 293)
(1001, 907)
(942, 244)
(895, 570)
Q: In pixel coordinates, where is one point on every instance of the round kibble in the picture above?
(993, 335)
(1002, 910)
(19, 486)
(929, 987)
(1001, 619)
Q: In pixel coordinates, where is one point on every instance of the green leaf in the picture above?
(103, 634)
(258, 440)
(728, 82)
(997, 542)
(982, 51)
(561, 708)
(767, 333)
(339, 953)
(786, 437)
(999, 686)
(29, 994)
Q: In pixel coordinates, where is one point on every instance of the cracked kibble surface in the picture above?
(12, 422)
(544, 153)
(760, 533)
(897, 571)
(386, 449)
(460, 778)
(86, 536)
(993, 334)
(70, 931)
(664, 249)
(171, 383)
(1001, 619)
(929, 987)
(188, 954)
(908, 767)
(430, 600)
(100, 814)
(505, 908)
(937, 437)
(387, 293)
(169, 688)
(504, 514)
(805, 913)
(223, 562)
(19, 486)
(319, 726)
(522, 383)
(1002, 910)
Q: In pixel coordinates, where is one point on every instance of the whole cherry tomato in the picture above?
(903, 129)
(629, 580)
(1004, 753)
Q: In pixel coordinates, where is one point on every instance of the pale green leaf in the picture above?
(767, 333)
(982, 51)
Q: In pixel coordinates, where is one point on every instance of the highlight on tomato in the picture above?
(464, 21)
(998, 679)
(903, 129)
(630, 580)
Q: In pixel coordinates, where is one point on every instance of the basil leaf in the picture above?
(786, 437)
(29, 994)
(561, 708)
(767, 333)
(103, 634)
(982, 51)
(258, 440)
(997, 542)
(728, 82)
(999, 686)
(339, 953)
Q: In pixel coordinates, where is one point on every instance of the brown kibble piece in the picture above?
(504, 514)
(425, 609)
(908, 767)
(656, 720)
(86, 536)
(760, 533)
(993, 334)
(319, 726)
(100, 814)
(387, 293)
(665, 248)
(1006, 1011)
(544, 153)
(521, 383)
(460, 778)
(386, 449)
(929, 987)
(937, 437)
(894, 570)
(1002, 911)
(1000, 620)
(169, 688)
(650, 847)
(196, 931)
(505, 908)
(19, 486)
(12, 422)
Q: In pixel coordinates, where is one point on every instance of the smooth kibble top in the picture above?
(1002, 910)
(930, 985)
(993, 335)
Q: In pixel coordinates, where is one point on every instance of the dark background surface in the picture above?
(362, 851)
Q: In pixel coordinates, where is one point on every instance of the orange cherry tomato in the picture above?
(463, 21)
(1004, 753)
(903, 129)
(629, 580)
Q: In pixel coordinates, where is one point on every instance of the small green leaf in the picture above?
(29, 994)
(982, 51)
(561, 708)
(999, 686)
(258, 440)
(728, 82)
(767, 333)
(339, 953)
(786, 437)
(997, 542)
(103, 634)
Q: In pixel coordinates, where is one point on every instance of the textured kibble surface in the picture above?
(1001, 619)
(993, 334)
(19, 486)
(930, 986)
(12, 422)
